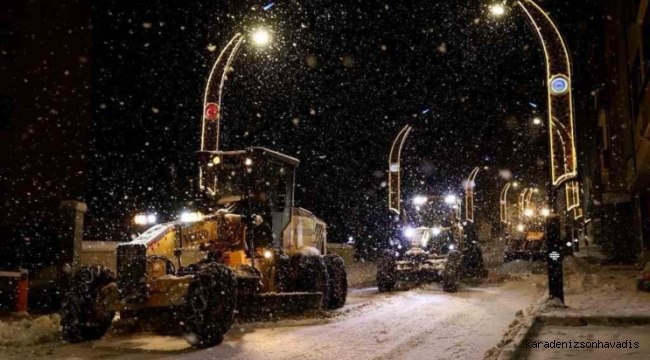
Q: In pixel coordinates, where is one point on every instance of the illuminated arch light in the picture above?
(394, 179)
(559, 84)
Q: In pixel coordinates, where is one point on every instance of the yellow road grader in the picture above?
(248, 251)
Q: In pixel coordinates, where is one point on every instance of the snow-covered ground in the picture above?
(632, 336)
(423, 323)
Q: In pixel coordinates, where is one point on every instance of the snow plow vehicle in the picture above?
(525, 245)
(526, 240)
(442, 254)
(246, 249)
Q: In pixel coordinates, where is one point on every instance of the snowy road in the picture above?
(423, 323)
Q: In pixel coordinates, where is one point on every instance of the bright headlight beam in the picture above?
(419, 200)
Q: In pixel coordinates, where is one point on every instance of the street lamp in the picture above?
(450, 199)
(545, 212)
(261, 37)
(497, 9)
(537, 121)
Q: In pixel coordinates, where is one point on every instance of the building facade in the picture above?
(619, 176)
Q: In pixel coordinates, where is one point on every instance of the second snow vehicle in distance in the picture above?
(248, 250)
(526, 240)
(433, 254)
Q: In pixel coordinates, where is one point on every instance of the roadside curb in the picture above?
(513, 350)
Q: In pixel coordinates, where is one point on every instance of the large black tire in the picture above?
(209, 306)
(386, 271)
(472, 265)
(451, 274)
(83, 313)
(284, 279)
(312, 276)
(337, 282)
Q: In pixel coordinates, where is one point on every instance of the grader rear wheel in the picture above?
(83, 313)
(312, 276)
(451, 274)
(209, 306)
(386, 272)
(337, 282)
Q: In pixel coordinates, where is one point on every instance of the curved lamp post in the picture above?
(394, 170)
(469, 195)
(562, 145)
(213, 95)
(503, 203)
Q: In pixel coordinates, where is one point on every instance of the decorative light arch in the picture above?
(562, 145)
(395, 170)
(503, 203)
(211, 118)
(469, 195)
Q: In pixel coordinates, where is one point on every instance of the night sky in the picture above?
(339, 81)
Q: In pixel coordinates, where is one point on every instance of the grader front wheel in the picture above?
(386, 272)
(209, 305)
(83, 309)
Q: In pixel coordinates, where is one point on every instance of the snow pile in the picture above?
(30, 331)
(513, 329)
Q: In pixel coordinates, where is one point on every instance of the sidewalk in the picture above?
(602, 305)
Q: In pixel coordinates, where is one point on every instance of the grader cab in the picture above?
(245, 249)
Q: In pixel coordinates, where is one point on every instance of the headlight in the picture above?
(268, 254)
(451, 247)
(140, 219)
(145, 219)
(191, 216)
